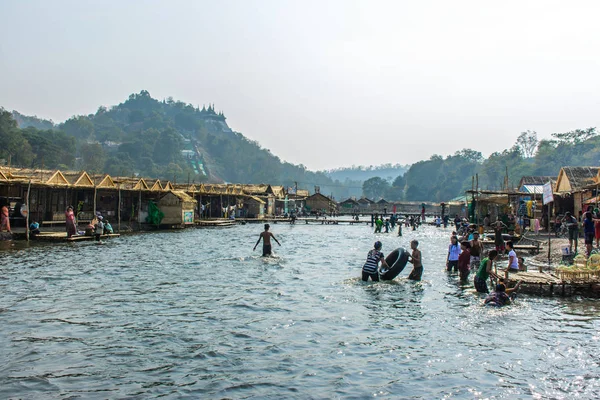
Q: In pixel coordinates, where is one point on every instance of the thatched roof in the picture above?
(58, 179)
(349, 201)
(168, 186)
(319, 197)
(536, 180)
(157, 186)
(183, 196)
(574, 179)
(84, 180)
(364, 200)
(105, 182)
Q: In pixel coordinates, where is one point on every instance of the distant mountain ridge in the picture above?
(388, 172)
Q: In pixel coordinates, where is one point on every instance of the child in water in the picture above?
(266, 238)
(371, 265)
(416, 261)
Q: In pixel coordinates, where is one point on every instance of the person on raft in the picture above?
(416, 260)
(266, 238)
(370, 269)
(500, 296)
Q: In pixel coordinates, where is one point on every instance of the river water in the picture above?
(197, 314)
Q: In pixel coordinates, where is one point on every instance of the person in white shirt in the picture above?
(513, 260)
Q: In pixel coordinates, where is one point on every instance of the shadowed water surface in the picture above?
(197, 314)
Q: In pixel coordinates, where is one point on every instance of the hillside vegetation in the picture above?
(180, 142)
(165, 139)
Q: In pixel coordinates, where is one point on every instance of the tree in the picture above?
(396, 191)
(51, 147)
(14, 147)
(93, 157)
(527, 143)
(375, 187)
(167, 148)
(80, 127)
(576, 136)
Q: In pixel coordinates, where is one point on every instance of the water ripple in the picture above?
(198, 314)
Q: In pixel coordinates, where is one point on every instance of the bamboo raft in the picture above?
(62, 237)
(552, 283)
(214, 223)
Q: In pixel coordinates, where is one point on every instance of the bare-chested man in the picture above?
(266, 238)
(416, 260)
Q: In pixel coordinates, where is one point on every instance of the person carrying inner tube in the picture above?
(371, 265)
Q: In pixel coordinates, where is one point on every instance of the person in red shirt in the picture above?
(464, 260)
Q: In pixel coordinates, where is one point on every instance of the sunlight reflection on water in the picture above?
(197, 313)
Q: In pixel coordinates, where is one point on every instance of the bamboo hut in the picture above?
(573, 186)
(318, 203)
(178, 208)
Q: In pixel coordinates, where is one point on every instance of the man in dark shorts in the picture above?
(266, 238)
(573, 228)
(589, 232)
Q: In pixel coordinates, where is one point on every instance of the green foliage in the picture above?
(527, 143)
(173, 140)
(50, 147)
(79, 127)
(93, 158)
(375, 188)
(14, 148)
(577, 136)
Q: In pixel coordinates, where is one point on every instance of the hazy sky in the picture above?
(322, 83)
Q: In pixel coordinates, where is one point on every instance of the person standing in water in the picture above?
(378, 224)
(453, 255)
(485, 271)
(266, 238)
(475, 248)
(370, 269)
(416, 261)
(464, 260)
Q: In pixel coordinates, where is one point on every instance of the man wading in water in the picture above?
(266, 238)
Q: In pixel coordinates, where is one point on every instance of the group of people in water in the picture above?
(376, 262)
(463, 257)
(389, 224)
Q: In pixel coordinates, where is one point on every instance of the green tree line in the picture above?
(165, 139)
(444, 178)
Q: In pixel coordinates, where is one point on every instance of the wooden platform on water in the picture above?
(62, 237)
(549, 283)
(215, 223)
(303, 221)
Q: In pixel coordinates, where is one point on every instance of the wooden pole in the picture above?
(140, 211)
(28, 211)
(477, 205)
(549, 230)
(95, 193)
(119, 211)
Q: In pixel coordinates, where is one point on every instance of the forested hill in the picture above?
(388, 172)
(165, 139)
(177, 141)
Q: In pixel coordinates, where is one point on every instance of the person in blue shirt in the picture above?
(34, 228)
(589, 232)
(453, 254)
